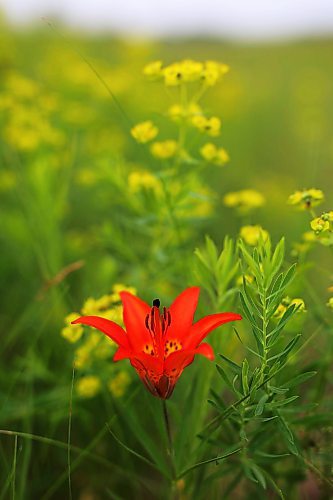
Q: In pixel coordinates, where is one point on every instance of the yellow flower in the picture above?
(119, 384)
(213, 71)
(330, 303)
(248, 279)
(90, 307)
(208, 151)
(120, 287)
(279, 311)
(287, 302)
(309, 237)
(306, 199)
(70, 332)
(177, 112)
(173, 75)
(327, 216)
(82, 357)
(191, 70)
(88, 387)
(211, 153)
(144, 132)
(244, 200)
(252, 234)
(153, 70)
(319, 225)
(210, 126)
(163, 150)
(143, 180)
(299, 304)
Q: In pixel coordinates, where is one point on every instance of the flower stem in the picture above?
(170, 451)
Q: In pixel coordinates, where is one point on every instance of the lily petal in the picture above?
(121, 353)
(205, 325)
(177, 361)
(134, 313)
(182, 313)
(109, 328)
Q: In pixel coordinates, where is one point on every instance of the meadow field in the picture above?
(154, 167)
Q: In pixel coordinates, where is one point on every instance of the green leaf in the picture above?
(224, 377)
(287, 434)
(244, 377)
(232, 365)
(258, 474)
(260, 406)
(277, 258)
(284, 402)
(282, 356)
(274, 334)
(299, 379)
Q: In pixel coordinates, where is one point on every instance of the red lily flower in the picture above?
(160, 345)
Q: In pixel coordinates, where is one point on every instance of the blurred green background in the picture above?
(65, 156)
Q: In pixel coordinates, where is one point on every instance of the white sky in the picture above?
(254, 19)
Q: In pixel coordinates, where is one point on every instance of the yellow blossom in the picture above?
(191, 70)
(211, 153)
(244, 200)
(153, 70)
(319, 225)
(143, 180)
(287, 302)
(309, 237)
(210, 126)
(252, 234)
(144, 132)
(306, 199)
(164, 149)
(70, 332)
(120, 287)
(172, 75)
(208, 151)
(177, 112)
(119, 384)
(88, 386)
(299, 304)
(247, 277)
(213, 71)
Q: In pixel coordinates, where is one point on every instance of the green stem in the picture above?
(170, 452)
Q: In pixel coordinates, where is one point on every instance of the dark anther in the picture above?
(156, 303)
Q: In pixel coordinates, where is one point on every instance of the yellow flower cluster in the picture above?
(97, 346)
(330, 303)
(186, 71)
(213, 154)
(306, 199)
(119, 384)
(244, 200)
(178, 112)
(323, 223)
(287, 302)
(164, 149)
(88, 386)
(70, 332)
(252, 234)
(143, 179)
(210, 126)
(144, 132)
(27, 109)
